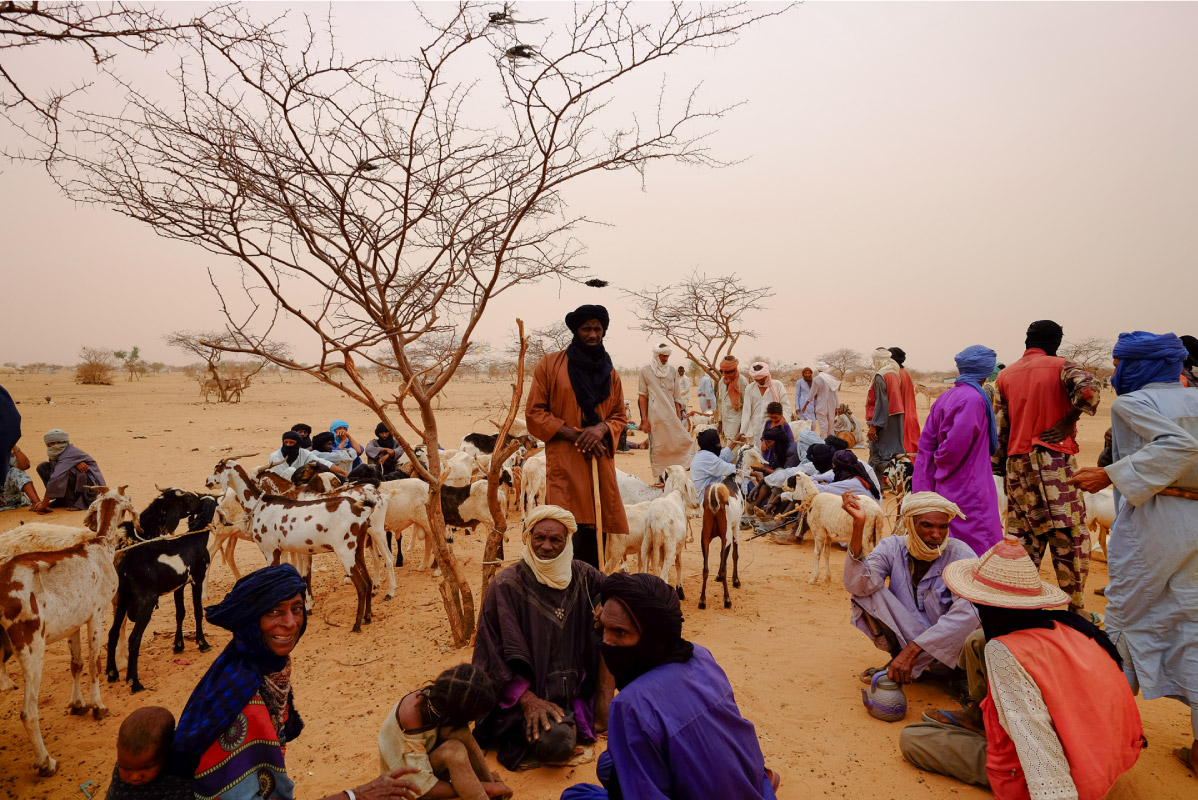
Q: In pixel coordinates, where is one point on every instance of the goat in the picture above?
(898, 472)
(54, 579)
(160, 517)
(1100, 515)
(665, 529)
(622, 545)
(155, 568)
(723, 506)
(340, 523)
(532, 488)
(829, 522)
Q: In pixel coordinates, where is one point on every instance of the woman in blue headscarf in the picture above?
(343, 442)
(232, 736)
(955, 448)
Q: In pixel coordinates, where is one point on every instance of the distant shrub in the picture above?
(95, 367)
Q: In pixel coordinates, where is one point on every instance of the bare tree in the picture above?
(95, 366)
(99, 31)
(700, 316)
(844, 361)
(543, 341)
(381, 202)
(224, 379)
(1092, 353)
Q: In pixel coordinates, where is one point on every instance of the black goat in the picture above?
(162, 515)
(155, 568)
(485, 442)
(466, 506)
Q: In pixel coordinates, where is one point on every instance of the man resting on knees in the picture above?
(913, 617)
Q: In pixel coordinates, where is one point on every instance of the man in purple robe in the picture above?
(675, 731)
(66, 473)
(898, 596)
(958, 439)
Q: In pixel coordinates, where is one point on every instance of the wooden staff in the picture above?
(599, 548)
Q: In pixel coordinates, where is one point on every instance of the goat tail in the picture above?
(717, 497)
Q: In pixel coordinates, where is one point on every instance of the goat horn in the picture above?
(238, 458)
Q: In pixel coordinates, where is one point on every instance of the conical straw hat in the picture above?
(1004, 577)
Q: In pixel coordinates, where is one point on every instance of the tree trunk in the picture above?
(493, 552)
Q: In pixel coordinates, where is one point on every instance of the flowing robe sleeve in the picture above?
(636, 742)
(879, 398)
(864, 576)
(551, 404)
(1168, 454)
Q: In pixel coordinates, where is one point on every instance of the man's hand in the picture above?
(567, 432)
(645, 426)
(389, 786)
(41, 505)
(339, 471)
(591, 440)
(496, 788)
(537, 713)
(82, 466)
(902, 664)
(872, 434)
(1091, 479)
(852, 507)
(1062, 430)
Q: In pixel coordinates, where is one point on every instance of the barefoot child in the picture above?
(142, 743)
(429, 729)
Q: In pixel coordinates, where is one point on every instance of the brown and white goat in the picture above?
(54, 580)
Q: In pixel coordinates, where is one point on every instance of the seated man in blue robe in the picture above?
(674, 729)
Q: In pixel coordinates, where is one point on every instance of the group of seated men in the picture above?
(66, 473)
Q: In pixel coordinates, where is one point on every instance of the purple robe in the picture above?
(928, 614)
(954, 462)
(675, 733)
(68, 460)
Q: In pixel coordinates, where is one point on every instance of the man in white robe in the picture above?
(761, 391)
(662, 413)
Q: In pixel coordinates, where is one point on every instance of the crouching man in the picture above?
(675, 731)
(913, 616)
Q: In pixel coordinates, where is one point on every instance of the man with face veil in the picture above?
(955, 447)
(660, 400)
(1040, 399)
(66, 472)
(884, 411)
(232, 736)
(537, 642)
(675, 731)
(1151, 611)
(576, 406)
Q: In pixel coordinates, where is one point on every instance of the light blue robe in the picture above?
(706, 395)
(802, 393)
(708, 468)
(939, 622)
(1152, 599)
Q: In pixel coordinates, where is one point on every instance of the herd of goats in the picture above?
(57, 580)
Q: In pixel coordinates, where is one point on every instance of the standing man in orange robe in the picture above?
(910, 414)
(576, 406)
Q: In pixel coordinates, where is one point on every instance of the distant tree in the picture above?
(156, 367)
(226, 380)
(700, 316)
(132, 362)
(95, 367)
(543, 341)
(844, 361)
(1092, 353)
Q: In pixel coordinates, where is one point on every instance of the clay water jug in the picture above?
(884, 698)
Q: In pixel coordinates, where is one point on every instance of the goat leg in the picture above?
(706, 541)
(735, 562)
(724, 548)
(197, 604)
(114, 635)
(180, 613)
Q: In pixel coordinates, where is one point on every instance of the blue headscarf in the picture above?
(338, 442)
(976, 363)
(1146, 358)
(236, 674)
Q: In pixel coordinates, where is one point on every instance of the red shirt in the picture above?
(1036, 400)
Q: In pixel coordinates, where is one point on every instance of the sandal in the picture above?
(956, 719)
(1184, 755)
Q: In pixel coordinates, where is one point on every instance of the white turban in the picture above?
(917, 504)
(884, 361)
(659, 369)
(555, 572)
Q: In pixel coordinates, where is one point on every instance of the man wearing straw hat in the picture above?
(1058, 717)
(537, 642)
(576, 406)
(912, 616)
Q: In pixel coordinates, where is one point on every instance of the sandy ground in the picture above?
(786, 646)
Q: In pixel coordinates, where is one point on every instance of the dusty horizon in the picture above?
(923, 175)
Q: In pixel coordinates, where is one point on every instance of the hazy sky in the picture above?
(925, 175)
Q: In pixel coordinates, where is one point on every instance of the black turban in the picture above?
(381, 428)
(836, 443)
(1192, 347)
(323, 442)
(821, 456)
(583, 313)
(898, 354)
(1046, 335)
(653, 605)
(292, 435)
(709, 440)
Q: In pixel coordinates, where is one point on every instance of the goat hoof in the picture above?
(77, 710)
(178, 648)
(357, 628)
(113, 677)
(99, 712)
(727, 604)
(702, 604)
(48, 769)
(387, 597)
(136, 687)
(204, 647)
(736, 584)
(681, 594)
(719, 578)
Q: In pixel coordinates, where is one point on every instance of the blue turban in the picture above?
(976, 364)
(1146, 358)
(236, 674)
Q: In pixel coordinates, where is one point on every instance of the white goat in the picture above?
(1100, 515)
(831, 523)
(665, 528)
(54, 579)
(621, 545)
(532, 488)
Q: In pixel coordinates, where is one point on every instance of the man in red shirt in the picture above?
(1040, 398)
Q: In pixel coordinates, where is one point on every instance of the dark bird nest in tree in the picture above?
(597, 283)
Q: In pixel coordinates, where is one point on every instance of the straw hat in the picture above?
(1004, 577)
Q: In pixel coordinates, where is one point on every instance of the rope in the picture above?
(209, 529)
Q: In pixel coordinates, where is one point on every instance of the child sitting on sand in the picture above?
(429, 729)
(142, 744)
